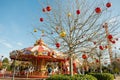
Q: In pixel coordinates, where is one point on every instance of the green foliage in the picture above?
(5, 60)
(58, 77)
(75, 77)
(103, 76)
(5, 63)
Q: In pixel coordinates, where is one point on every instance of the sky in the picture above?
(18, 19)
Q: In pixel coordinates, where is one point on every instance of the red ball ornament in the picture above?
(94, 43)
(100, 47)
(113, 42)
(110, 36)
(118, 59)
(57, 45)
(97, 60)
(48, 8)
(41, 19)
(106, 47)
(78, 12)
(44, 10)
(98, 10)
(108, 4)
(84, 56)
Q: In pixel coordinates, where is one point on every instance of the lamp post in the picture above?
(14, 65)
(1, 61)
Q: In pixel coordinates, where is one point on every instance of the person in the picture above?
(83, 71)
(78, 70)
(49, 70)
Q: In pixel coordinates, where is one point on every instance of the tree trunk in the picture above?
(100, 64)
(71, 65)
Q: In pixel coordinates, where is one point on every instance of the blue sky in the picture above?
(17, 21)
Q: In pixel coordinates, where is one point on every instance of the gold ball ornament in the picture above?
(62, 34)
(43, 31)
(69, 14)
(35, 30)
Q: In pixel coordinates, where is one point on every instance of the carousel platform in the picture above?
(34, 75)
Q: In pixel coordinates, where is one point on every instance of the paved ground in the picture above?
(20, 79)
(117, 78)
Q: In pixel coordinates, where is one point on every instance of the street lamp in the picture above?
(14, 64)
(1, 61)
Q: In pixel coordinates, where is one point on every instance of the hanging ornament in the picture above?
(110, 36)
(48, 8)
(106, 47)
(57, 28)
(41, 19)
(42, 31)
(78, 12)
(97, 60)
(84, 56)
(118, 59)
(89, 39)
(62, 34)
(116, 39)
(44, 9)
(69, 14)
(108, 5)
(112, 41)
(98, 10)
(51, 32)
(57, 45)
(100, 47)
(94, 43)
(43, 35)
(35, 30)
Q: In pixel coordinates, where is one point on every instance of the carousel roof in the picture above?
(39, 51)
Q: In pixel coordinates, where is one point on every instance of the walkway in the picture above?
(117, 78)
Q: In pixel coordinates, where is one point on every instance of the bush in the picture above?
(58, 77)
(103, 76)
(85, 77)
(75, 77)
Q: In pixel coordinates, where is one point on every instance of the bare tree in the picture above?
(76, 25)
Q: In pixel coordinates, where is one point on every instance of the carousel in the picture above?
(34, 62)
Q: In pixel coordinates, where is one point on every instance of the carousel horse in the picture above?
(55, 70)
(17, 71)
(29, 70)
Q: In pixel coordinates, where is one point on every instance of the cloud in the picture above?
(19, 43)
(6, 43)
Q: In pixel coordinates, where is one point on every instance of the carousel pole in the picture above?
(108, 41)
